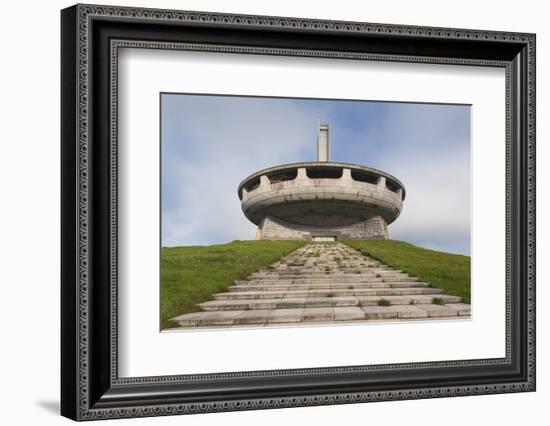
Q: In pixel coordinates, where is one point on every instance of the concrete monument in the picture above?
(321, 200)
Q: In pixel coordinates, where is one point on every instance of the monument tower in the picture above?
(321, 200)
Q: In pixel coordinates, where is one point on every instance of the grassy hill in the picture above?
(190, 275)
(450, 272)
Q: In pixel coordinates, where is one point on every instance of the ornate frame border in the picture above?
(90, 401)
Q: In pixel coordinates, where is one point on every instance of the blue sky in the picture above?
(210, 143)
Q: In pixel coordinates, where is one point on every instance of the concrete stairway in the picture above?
(320, 283)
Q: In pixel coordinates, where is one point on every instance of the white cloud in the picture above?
(436, 174)
(205, 205)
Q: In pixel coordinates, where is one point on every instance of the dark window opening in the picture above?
(284, 175)
(392, 186)
(364, 177)
(324, 173)
(252, 184)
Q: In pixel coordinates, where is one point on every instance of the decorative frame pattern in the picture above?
(91, 388)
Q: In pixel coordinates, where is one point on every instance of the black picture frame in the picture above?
(90, 386)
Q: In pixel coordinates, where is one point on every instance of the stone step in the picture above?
(326, 293)
(413, 299)
(310, 269)
(463, 308)
(331, 276)
(313, 315)
(281, 303)
(323, 274)
(323, 286)
(350, 269)
(318, 302)
(327, 279)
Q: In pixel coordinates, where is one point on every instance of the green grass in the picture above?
(383, 302)
(190, 275)
(450, 272)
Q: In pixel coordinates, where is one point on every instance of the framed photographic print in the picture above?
(263, 212)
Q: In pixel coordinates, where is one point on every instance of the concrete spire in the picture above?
(323, 145)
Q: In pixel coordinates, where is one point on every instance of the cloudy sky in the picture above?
(210, 143)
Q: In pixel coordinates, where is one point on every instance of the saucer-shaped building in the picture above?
(321, 200)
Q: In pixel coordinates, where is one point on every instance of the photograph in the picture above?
(265, 208)
(312, 212)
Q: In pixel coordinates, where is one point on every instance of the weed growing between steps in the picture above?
(190, 275)
(450, 272)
